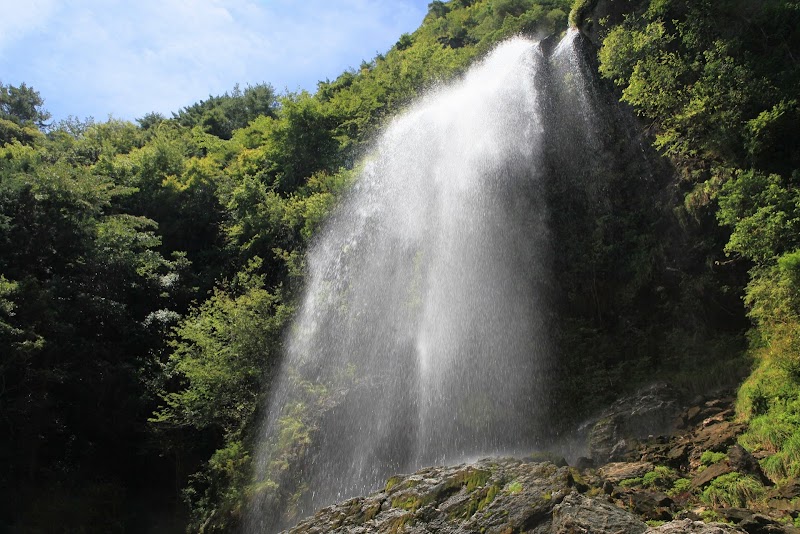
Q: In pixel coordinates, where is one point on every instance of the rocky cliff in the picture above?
(693, 479)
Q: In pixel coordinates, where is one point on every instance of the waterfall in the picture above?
(422, 337)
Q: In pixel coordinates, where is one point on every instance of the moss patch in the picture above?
(514, 488)
(479, 499)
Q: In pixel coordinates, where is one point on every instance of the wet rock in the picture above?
(618, 471)
(649, 412)
(491, 496)
(605, 442)
(580, 514)
(742, 461)
(694, 527)
(717, 435)
(546, 456)
(710, 473)
(692, 415)
(754, 523)
(533, 496)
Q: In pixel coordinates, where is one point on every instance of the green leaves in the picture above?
(764, 214)
(223, 354)
(222, 115)
(22, 105)
(718, 82)
(733, 490)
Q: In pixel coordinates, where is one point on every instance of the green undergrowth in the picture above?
(770, 401)
(474, 482)
(680, 486)
(661, 478)
(711, 457)
(709, 89)
(733, 490)
(478, 500)
(412, 502)
(580, 10)
(514, 487)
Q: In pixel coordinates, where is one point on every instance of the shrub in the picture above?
(682, 485)
(580, 9)
(630, 482)
(732, 490)
(661, 477)
(769, 399)
(784, 463)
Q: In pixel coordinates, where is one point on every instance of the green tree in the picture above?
(22, 105)
(223, 357)
(222, 115)
(78, 283)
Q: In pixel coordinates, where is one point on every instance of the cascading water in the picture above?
(422, 335)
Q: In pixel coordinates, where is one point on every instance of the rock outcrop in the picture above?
(502, 496)
(649, 412)
(659, 480)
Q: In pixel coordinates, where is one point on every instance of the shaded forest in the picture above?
(148, 270)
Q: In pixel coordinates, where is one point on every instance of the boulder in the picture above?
(678, 454)
(710, 473)
(489, 496)
(785, 497)
(743, 461)
(616, 472)
(650, 505)
(649, 412)
(789, 489)
(717, 435)
(754, 523)
(578, 514)
(492, 496)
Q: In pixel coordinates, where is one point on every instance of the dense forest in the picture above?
(148, 270)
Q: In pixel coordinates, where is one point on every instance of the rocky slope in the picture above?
(687, 480)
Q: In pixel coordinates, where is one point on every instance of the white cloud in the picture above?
(129, 58)
(21, 18)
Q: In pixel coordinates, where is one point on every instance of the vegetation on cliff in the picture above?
(717, 81)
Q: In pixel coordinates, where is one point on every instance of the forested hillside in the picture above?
(717, 84)
(149, 270)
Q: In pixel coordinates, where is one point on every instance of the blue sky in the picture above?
(129, 57)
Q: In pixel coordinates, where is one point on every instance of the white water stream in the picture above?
(422, 336)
